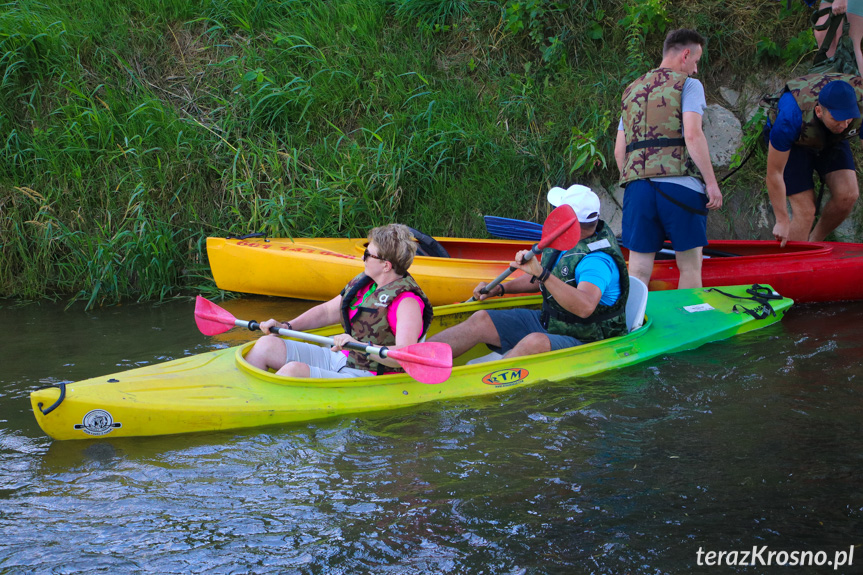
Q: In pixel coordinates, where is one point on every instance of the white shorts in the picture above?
(322, 362)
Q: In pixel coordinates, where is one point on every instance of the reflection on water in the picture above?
(753, 441)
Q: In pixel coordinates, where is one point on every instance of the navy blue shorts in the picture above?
(649, 218)
(802, 162)
(513, 325)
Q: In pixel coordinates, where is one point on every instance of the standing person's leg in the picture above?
(689, 264)
(641, 265)
(855, 32)
(836, 167)
(686, 228)
(800, 190)
(802, 215)
(642, 231)
(820, 34)
(844, 191)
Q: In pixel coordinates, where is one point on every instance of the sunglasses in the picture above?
(367, 255)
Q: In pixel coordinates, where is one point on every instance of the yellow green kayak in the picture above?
(218, 390)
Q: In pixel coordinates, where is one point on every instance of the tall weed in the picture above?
(129, 131)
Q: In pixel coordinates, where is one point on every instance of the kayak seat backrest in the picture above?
(636, 305)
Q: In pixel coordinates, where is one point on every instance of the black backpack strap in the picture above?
(681, 205)
(656, 143)
(832, 25)
(740, 165)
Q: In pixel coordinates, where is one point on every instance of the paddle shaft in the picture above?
(560, 231)
(372, 349)
(494, 283)
(527, 257)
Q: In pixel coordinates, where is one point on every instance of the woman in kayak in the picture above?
(383, 306)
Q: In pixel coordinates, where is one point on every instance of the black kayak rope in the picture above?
(759, 294)
(249, 236)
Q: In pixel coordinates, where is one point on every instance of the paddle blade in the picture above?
(428, 362)
(211, 319)
(561, 230)
(510, 229)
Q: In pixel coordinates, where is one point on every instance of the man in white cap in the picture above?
(584, 292)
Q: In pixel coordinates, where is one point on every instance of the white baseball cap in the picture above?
(580, 198)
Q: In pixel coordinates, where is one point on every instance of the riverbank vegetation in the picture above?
(130, 131)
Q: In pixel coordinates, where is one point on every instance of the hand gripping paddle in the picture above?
(428, 362)
(561, 231)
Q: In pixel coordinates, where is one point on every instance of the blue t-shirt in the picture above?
(599, 269)
(789, 121)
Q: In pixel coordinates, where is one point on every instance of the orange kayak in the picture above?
(318, 268)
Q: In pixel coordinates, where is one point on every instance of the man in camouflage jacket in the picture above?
(664, 162)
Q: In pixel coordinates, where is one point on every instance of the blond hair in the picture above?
(396, 244)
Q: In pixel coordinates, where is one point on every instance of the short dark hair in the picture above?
(680, 38)
(590, 227)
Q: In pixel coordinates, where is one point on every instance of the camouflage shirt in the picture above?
(652, 116)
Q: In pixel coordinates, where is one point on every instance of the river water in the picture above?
(751, 442)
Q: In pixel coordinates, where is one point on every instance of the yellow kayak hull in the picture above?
(318, 268)
(218, 390)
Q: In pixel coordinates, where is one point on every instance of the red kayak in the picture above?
(802, 271)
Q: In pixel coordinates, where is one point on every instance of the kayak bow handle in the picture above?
(57, 403)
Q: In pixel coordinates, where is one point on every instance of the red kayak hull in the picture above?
(802, 271)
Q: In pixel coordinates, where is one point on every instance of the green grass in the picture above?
(129, 131)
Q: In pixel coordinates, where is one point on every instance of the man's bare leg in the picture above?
(478, 328)
(802, 216)
(844, 191)
(530, 344)
(641, 265)
(689, 265)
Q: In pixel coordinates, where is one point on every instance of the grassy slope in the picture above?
(129, 131)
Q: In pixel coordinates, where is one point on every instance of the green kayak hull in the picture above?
(218, 390)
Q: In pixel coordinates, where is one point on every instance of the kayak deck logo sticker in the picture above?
(98, 422)
(505, 377)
